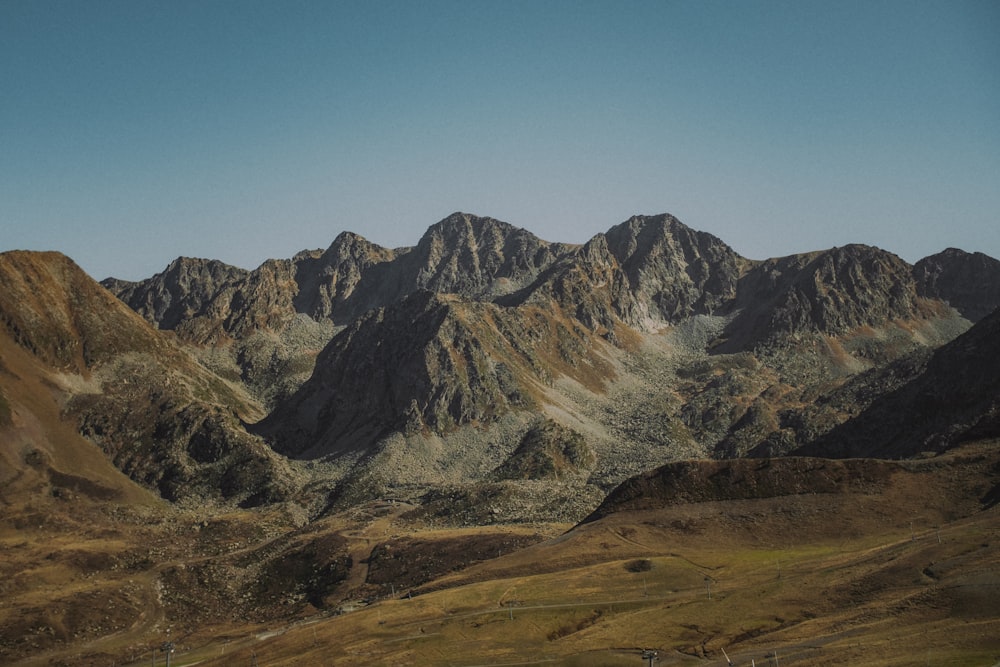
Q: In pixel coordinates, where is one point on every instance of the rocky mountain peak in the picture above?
(461, 225)
(328, 283)
(674, 270)
(646, 272)
(830, 292)
(857, 284)
(186, 289)
(478, 257)
(422, 363)
(969, 282)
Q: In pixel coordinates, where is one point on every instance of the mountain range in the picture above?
(228, 447)
(359, 371)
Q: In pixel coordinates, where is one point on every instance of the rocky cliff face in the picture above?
(969, 282)
(829, 292)
(673, 271)
(651, 341)
(206, 301)
(430, 363)
(351, 277)
(186, 292)
(476, 258)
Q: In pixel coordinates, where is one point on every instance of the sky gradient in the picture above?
(137, 131)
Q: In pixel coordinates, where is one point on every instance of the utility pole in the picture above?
(168, 648)
(511, 602)
(650, 656)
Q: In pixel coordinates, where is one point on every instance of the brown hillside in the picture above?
(49, 306)
(160, 417)
(894, 571)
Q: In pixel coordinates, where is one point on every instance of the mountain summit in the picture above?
(430, 364)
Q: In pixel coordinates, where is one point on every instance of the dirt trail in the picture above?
(363, 542)
(360, 552)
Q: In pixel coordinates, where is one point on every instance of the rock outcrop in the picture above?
(646, 273)
(429, 363)
(969, 282)
(830, 292)
(673, 271)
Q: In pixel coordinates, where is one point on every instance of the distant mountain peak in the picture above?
(482, 323)
(829, 292)
(969, 282)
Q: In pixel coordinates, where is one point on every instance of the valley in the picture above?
(897, 569)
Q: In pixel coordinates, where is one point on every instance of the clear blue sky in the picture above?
(133, 132)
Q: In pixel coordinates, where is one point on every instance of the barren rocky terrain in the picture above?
(216, 454)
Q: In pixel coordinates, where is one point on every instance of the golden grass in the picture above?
(899, 573)
(860, 601)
